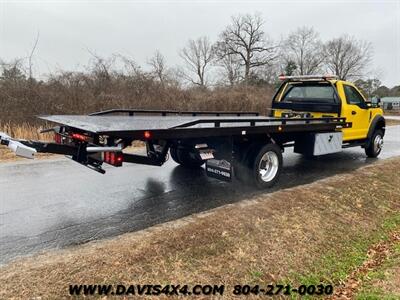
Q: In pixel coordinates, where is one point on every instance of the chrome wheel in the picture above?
(268, 166)
(378, 143)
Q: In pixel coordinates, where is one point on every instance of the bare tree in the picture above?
(197, 55)
(101, 73)
(245, 40)
(264, 74)
(304, 48)
(158, 65)
(30, 58)
(101, 67)
(130, 67)
(347, 57)
(231, 69)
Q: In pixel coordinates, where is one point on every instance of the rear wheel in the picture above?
(174, 154)
(262, 167)
(375, 145)
(186, 158)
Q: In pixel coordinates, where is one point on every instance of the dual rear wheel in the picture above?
(186, 158)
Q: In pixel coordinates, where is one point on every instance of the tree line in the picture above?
(245, 53)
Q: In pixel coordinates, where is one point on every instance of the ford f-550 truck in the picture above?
(317, 115)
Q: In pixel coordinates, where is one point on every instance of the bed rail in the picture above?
(132, 112)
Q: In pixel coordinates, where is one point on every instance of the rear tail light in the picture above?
(147, 135)
(114, 158)
(80, 137)
(57, 138)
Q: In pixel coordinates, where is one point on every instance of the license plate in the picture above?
(206, 155)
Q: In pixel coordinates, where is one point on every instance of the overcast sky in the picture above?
(137, 28)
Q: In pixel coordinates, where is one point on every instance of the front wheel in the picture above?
(375, 144)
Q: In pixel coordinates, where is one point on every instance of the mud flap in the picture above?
(219, 169)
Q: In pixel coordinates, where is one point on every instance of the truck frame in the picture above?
(241, 145)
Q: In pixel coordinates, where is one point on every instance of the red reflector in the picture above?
(57, 138)
(147, 134)
(80, 137)
(114, 158)
(107, 157)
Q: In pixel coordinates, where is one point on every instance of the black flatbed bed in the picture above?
(102, 124)
(178, 126)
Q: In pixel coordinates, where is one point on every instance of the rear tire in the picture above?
(262, 166)
(174, 154)
(186, 158)
(267, 166)
(375, 144)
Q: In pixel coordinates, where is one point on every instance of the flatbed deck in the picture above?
(163, 126)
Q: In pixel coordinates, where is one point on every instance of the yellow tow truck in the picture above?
(317, 115)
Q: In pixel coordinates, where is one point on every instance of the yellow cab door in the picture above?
(355, 110)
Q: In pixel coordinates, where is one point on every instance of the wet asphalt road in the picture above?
(57, 203)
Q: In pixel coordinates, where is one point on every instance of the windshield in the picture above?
(312, 93)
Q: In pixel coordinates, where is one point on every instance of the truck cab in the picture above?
(326, 96)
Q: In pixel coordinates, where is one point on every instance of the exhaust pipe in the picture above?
(104, 149)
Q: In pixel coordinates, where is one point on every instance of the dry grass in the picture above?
(26, 131)
(268, 238)
(392, 113)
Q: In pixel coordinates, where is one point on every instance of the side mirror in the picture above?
(375, 101)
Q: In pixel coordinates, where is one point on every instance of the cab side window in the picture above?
(353, 96)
